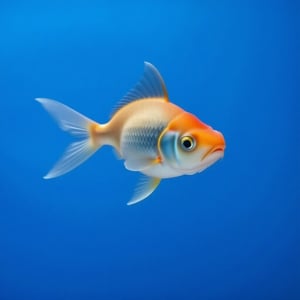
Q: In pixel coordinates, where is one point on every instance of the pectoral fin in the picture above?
(145, 187)
(140, 164)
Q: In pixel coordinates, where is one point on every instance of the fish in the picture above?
(151, 134)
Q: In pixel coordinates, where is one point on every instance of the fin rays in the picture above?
(67, 118)
(75, 154)
(144, 188)
(76, 124)
(151, 85)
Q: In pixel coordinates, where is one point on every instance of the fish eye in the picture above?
(187, 143)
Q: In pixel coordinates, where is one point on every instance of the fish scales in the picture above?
(142, 139)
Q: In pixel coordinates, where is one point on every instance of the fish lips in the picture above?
(208, 159)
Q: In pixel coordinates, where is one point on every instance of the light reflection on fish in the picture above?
(153, 136)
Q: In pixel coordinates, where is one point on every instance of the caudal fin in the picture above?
(78, 125)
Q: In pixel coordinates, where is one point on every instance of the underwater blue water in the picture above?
(231, 232)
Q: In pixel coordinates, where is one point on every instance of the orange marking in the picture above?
(185, 122)
(157, 160)
(93, 133)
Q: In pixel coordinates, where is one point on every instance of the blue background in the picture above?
(231, 232)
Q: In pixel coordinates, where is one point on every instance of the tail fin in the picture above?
(78, 125)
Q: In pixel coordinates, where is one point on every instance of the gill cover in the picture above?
(169, 148)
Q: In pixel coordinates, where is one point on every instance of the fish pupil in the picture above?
(187, 144)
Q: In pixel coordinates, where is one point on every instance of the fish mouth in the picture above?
(215, 150)
(209, 158)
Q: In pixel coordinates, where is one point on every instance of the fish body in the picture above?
(152, 135)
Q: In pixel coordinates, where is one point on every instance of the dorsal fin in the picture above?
(151, 85)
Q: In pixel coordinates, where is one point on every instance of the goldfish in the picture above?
(151, 134)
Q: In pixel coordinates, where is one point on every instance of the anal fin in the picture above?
(144, 188)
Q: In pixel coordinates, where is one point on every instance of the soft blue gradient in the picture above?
(231, 232)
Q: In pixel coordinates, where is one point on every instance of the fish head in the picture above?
(189, 145)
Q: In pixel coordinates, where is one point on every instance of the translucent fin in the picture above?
(78, 125)
(137, 164)
(67, 118)
(140, 164)
(75, 155)
(145, 187)
(151, 85)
